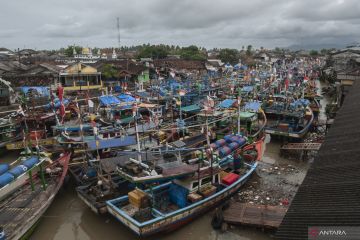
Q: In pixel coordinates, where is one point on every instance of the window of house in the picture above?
(195, 185)
(205, 181)
(216, 178)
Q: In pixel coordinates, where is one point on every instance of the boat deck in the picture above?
(21, 205)
(254, 215)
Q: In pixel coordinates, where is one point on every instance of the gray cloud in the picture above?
(212, 23)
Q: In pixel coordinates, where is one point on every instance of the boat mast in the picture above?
(135, 112)
(238, 101)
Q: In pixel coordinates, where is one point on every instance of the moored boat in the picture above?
(173, 204)
(32, 199)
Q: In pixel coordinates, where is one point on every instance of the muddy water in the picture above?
(69, 218)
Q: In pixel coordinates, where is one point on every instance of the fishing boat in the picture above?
(16, 174)
(172, 204)
(287, 117)
(9, 131)
(20, 212)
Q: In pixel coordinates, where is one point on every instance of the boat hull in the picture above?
(23, 230)
(182, 216)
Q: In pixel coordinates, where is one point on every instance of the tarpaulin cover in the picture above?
(247, 89)
(227, 103)
(57, 103)
(108, 100)
(111, 143)
(73, 128)
(126, 98)
(246, 115)
(18, 170)
(30, 162)
(190, 108)
(4, 167)
(253, 106)
(299, 103)
(143, 94)
(5, 179)
(43, 91)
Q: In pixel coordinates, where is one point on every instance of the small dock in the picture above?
(269, 217)
(302, 146)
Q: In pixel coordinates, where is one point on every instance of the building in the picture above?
(87, 56)
(79, 76)
(116, 72)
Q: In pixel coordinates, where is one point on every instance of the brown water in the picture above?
(69, 218)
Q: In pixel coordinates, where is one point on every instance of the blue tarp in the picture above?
(126, 98)
(73, 128)
(253, 106)
(108, 100)
(299, 103)
(143, 94)
(191, 108)
(43, 91)
(112, 142)
(247, 89)
(227, 103)
(57, 103)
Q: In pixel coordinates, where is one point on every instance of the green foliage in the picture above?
(191, 53)
(227, 55)
(69, 51)
(313, 53)
(155, 52)
(108, 71)
(249, 50)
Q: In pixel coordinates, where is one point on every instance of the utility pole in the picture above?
(118, 29)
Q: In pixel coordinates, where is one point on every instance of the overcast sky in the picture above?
(46, 24)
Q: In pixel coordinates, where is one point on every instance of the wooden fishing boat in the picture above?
(143, 174)
(15, 175)
(286, 119)
(173, 204)
(32, 200)
(9, 131)
(96, 193)
(183, 203)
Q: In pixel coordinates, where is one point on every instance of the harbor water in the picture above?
(69, 218)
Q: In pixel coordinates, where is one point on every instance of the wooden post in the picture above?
(43, 181)
(31, 181)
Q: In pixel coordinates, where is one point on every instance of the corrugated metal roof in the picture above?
(330, 192)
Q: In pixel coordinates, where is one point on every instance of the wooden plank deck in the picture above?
(254, 215)
(301, 146)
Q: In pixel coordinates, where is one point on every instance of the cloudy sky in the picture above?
(46, 24)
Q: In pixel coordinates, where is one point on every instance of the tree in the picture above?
(155, 52)
(108, 71)
(249, 50)
(192, 53)
(227, 55)
(313, 53)
(69, 51)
